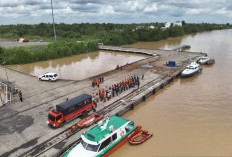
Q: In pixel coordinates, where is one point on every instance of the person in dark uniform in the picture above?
(20, 96)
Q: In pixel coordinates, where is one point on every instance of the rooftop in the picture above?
(73, 101)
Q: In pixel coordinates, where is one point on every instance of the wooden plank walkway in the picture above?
(129, 50)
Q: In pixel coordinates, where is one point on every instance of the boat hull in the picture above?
(123, 141)
(191, 74)
(202, 62)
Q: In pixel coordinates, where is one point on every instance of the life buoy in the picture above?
(122, 133)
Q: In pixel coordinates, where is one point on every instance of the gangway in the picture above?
(6, 95)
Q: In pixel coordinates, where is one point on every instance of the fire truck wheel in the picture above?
(62, 124)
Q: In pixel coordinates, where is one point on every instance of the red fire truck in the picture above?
(69, 110)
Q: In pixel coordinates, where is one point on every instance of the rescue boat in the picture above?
(84, 123)
(103, 138)
(211, 61)
(203, 60)
(140, 137)
(191, 69)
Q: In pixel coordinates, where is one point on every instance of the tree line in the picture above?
(138, 32)
(91, 34)
(21, 55)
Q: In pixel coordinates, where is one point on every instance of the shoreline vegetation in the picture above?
(81, 38)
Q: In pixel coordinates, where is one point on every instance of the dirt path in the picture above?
(8, 44)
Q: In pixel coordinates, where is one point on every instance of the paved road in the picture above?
(8, 44)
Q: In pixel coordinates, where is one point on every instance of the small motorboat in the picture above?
(94, 118)
(191, 69)
(203, 60)
(140, 137)
(211, 61)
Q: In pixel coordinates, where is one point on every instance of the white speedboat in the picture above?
(203, 60)
(191, 69)
(103, 138)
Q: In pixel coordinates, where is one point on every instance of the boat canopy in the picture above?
(113, 122)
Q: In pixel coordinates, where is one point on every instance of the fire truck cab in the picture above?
(69, 110)
(55, 118)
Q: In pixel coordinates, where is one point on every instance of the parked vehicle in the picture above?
(48, 77)
(103, 138)
(140, 137)
(69, 110)
(191, 69)
(203, 60)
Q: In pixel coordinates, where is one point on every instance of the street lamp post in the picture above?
(54, 29)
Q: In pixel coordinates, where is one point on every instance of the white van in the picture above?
(48, 77)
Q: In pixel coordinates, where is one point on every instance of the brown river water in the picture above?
(189, 117)
(80, 66)
(193, 116)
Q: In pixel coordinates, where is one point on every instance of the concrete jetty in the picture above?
(149, 52)
(23, 128)
(179, 48)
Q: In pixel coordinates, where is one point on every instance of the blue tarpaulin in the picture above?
(171, 63)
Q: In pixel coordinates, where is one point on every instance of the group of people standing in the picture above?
(118, 67)
(116, 89)
(97, 81)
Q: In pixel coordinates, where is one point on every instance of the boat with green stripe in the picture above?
(104, 138)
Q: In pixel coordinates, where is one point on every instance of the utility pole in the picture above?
(53, 22)
(5, 70)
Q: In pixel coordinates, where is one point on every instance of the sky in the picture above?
(117, 11)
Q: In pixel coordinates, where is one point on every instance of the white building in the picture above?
(177, 23)
(151, 27)
(168, 24)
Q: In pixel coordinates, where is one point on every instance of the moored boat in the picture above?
(211, 61)
(140, 137)
(104, 138)
(86, 122)
(203, 60)
(191, 69)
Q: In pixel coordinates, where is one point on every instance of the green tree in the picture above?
(1, 51)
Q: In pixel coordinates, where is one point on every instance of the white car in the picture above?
(48, 77)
